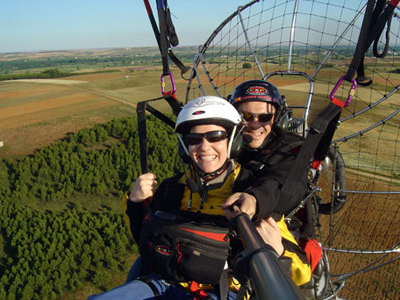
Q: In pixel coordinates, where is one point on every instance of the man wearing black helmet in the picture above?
(269, 151)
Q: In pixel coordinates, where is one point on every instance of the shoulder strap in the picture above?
(141, 109)
(315, 145)
(283, 149)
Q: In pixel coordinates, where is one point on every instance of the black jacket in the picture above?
(271, 166)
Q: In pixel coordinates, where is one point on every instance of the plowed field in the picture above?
(35, 113)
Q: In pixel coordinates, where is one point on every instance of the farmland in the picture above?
(35, 113)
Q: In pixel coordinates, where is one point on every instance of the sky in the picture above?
(40, 25)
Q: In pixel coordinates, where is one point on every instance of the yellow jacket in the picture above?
(301, 272)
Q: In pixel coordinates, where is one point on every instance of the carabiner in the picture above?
(351, 92)
(172, 92)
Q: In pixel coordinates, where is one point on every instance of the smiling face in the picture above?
(256, 129)
(208, 156)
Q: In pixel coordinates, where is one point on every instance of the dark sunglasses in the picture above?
(264, 117)
(211, 136)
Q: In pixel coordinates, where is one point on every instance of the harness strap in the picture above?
(168, 37)
(174, 103)
(315, 145)
(362, 39)
(372, 27)
(387, 37)
(141, 109)
(172, 34)
(361, 78)
(141, 119)
(377, 27)
(164, 44)
(378, 10)
(224, 286)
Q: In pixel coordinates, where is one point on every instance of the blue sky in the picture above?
(34, 25)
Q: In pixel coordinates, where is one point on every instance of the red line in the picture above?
(214, 236)
(148, 7)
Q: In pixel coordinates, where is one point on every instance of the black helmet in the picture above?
(264, 91)
(258, 90)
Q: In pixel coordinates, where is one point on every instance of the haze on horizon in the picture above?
(47, 25)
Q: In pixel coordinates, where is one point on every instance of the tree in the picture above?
(27, 292)
(246, 65)
(3, 294)
(101, 277)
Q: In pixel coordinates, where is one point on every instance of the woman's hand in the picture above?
(245, 203)
(144, 187)
(271, 234)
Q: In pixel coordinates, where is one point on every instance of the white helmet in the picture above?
(207, 110)
(210, 110)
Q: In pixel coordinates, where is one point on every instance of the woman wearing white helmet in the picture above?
(209, 140)
(182, 235)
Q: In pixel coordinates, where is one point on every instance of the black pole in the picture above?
(268, 279)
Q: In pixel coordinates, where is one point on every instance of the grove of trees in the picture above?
(52, 240)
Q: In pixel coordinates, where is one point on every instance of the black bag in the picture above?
(182, 248)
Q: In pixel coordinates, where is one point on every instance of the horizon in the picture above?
(155, 47)
(27, 26)
(85, 49)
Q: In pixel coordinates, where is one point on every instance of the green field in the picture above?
(38, 113)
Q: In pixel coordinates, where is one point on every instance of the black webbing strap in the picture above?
(223, 286)
(168, 37)
(379, 22)
(380, 5)
(164, 44)
(372, 27)
(177, 62)
(376, 32)
(375, 50)
(362, 41)
(141, 118)
(173, 103)
(159, 115)
(315, 145)
(173, 37)
(141, 109)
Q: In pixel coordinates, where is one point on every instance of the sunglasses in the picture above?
(264, 117)
(211, 136)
